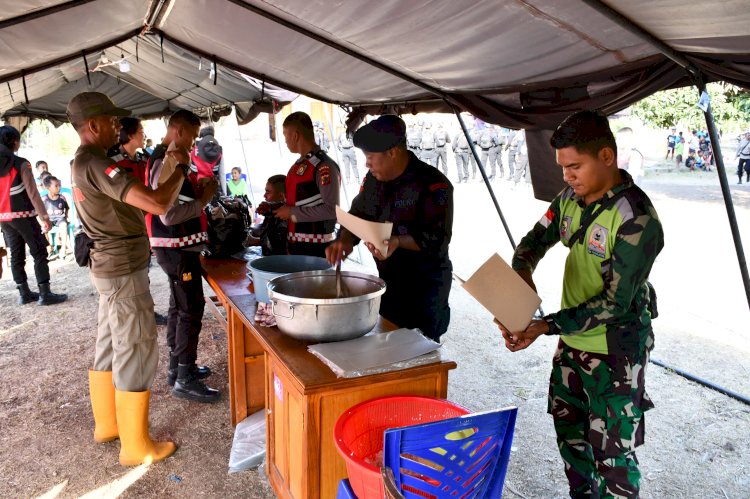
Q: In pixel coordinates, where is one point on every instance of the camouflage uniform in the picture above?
(597, 393)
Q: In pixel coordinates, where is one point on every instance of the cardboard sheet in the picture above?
(501, 291)
(370, 232)
(373, 350)
(169, 164)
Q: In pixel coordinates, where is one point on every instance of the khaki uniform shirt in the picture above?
(117, 229)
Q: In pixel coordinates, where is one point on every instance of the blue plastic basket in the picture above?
(463, 457)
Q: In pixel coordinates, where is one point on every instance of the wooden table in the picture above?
(303, 398)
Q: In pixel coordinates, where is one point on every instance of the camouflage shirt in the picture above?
(605, 299)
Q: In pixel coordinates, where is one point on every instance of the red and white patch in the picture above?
(547, 218)
(112, 171)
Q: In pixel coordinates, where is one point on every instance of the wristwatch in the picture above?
(552, 325)
(185, 169)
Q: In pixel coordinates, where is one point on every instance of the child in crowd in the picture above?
(57, 209)
(272, 234)
(679, 150)
(691, 160)
(236, 186)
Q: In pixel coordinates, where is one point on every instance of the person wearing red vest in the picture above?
(20, 204)
(177, 239)
(126, 153)
(312, 190)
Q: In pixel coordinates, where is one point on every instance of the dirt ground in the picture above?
(698, 440)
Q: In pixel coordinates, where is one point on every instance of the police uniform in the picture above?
(321, 137)
(597, 396)
(413, 139)
(487, 142)
(177, 238)
(349, 158)
(461, 152)
(312, 192)
(441, 141)
(20, 204)
(512, 150)
(428, 147)
(134, 166)
(419, 203)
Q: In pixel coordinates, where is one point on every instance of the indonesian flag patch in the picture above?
(547, 218)
(112, 171)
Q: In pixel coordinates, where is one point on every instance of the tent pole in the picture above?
(716, 146)
(484, 176)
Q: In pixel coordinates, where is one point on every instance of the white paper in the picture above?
(373, 350)
(370, 232)
(503, 293)
(704, 101)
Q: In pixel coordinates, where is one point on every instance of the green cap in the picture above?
(87, 105)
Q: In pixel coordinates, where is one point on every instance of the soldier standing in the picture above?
(597, 394)
(441, 140)
(501, 136)
(348, 158)
(321, 137)
(512, 148)
(428, 152)
(521, 159)
(488, 143)
(461, 153)
(413, 139)
(474, 135)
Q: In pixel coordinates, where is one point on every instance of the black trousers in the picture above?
(185, 301)
(18, 233)
(310, 249)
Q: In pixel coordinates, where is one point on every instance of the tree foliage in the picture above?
(730, 106)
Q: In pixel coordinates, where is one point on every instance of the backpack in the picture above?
(228, 224)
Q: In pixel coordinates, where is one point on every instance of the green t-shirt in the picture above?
(605, 297)
(237, 189)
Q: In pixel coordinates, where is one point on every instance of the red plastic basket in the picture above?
(359, 434)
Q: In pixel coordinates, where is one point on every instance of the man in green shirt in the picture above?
(597, 395)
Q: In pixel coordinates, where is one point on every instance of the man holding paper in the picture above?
(418, 200)
(597, 395)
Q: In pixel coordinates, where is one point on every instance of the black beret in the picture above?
(381, 134)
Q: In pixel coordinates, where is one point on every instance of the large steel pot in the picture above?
(266, 268)
(306, 307)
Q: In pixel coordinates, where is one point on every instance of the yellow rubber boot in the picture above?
(136, 447)
(102, 393)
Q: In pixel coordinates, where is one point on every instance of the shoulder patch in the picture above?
(547, 218)
(439, 185)
(325, 174)
(112, 171)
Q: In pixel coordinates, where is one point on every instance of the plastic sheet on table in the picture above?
(377, 353)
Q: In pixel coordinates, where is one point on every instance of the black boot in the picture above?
(27, 295)
(200, 372)
(189, 387)
(47, 297)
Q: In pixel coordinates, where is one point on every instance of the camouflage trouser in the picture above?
(597, 402)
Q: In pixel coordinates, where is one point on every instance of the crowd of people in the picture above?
(134, 200)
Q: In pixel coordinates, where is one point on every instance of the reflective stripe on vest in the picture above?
(298, 237)
(178, 242)
(4, 217)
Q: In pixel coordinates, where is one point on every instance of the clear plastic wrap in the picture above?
(249, 444)
(377, 353)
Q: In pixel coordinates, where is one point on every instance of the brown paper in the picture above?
(369, 232)
(168, 165)
(503, 293)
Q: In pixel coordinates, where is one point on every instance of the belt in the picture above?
(428, 149)
(297, 237)
(346, 148)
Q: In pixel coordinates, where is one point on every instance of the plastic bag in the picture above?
(249, 444)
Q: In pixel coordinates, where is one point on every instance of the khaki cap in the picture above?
(87, 105)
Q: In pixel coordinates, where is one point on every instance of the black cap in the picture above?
(381, 134)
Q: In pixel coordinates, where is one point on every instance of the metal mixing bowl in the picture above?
(306, 307)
